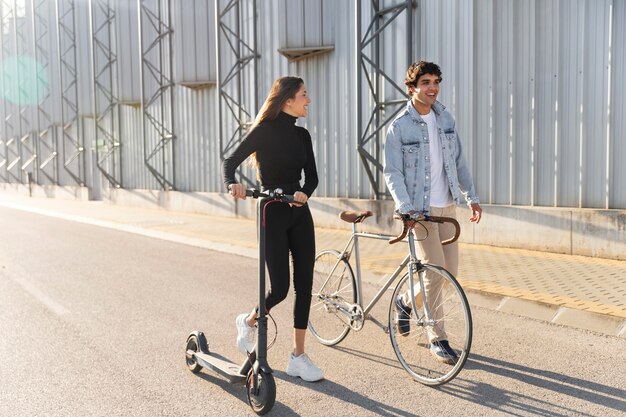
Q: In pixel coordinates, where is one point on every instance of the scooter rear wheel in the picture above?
(263, 401)
(196, 343)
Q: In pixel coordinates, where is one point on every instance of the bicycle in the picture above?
(337, 304)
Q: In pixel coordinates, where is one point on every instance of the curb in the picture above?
(550, 313)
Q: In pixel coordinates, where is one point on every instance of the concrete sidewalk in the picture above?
(587, 293)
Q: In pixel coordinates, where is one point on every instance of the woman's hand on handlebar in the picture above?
(299, 199)
(237, 191)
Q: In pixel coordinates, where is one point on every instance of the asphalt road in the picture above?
(93, 322)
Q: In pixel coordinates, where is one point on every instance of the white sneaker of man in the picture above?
(303, 367)
(245, 334)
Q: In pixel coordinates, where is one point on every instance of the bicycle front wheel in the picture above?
(414, 336)
(334, 289)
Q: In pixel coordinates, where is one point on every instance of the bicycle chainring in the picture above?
(357, 317)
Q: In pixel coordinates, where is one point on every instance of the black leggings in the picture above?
(290, 229)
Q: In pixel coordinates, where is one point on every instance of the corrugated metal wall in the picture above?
(330, 80)
(537, 88)
(128, 51)
(538, 91)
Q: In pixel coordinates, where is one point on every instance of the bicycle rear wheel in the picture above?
(451, 320)
(334, 288)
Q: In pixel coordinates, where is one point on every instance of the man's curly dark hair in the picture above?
(417, 69)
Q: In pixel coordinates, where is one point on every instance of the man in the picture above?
(426, 173)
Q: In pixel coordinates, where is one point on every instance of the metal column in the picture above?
(11, 83)
(237, 57)
(105, 102)
(26, 146)
(155, 34)
(45, 144)
(6, 140)
(370, 137)
(71, 142)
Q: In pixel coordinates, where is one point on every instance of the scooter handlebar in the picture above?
(276, 194)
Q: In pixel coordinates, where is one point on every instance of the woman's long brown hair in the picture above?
(283, 89)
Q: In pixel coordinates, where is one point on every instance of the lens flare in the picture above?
(24, 80)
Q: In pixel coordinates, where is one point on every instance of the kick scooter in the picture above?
(254, 372)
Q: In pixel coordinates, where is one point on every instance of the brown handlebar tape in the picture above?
(409, 222)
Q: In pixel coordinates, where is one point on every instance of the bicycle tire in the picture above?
(413, 347)
(333, 284)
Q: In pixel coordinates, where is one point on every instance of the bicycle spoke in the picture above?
(334, 289)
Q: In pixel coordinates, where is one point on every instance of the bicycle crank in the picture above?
(357, 317)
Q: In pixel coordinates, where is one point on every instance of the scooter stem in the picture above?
(261, 345)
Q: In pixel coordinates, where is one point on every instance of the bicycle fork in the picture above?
(415, 266)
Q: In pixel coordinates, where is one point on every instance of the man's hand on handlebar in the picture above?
(410, 218)
(414, 214)
(237, 191)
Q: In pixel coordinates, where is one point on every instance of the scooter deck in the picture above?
(222, 366)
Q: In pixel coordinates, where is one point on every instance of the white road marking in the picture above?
(57, 308)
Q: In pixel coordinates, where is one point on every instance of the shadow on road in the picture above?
(485, 394)
(239, 392)
(325, 387)
(383, 360)
(332, 389)
(515, 402)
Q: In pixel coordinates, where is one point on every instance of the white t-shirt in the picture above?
(439, 189)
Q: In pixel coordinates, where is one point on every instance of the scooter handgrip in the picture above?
(252, 193)
(287, 198)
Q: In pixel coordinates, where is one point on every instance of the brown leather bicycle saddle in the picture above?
(355, 216)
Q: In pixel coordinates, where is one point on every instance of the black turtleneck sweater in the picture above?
(283, 150)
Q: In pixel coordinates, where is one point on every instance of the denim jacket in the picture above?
(407, 160)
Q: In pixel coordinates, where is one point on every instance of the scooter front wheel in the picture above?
(263, 400)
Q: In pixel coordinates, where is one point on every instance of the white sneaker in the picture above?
(303, 367)
(245, 334)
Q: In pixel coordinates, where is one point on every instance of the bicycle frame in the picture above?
(410, 259)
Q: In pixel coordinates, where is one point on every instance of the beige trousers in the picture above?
(435, 253)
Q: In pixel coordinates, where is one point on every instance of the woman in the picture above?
(282, 151)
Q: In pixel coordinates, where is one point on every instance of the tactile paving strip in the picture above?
(592, 284)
